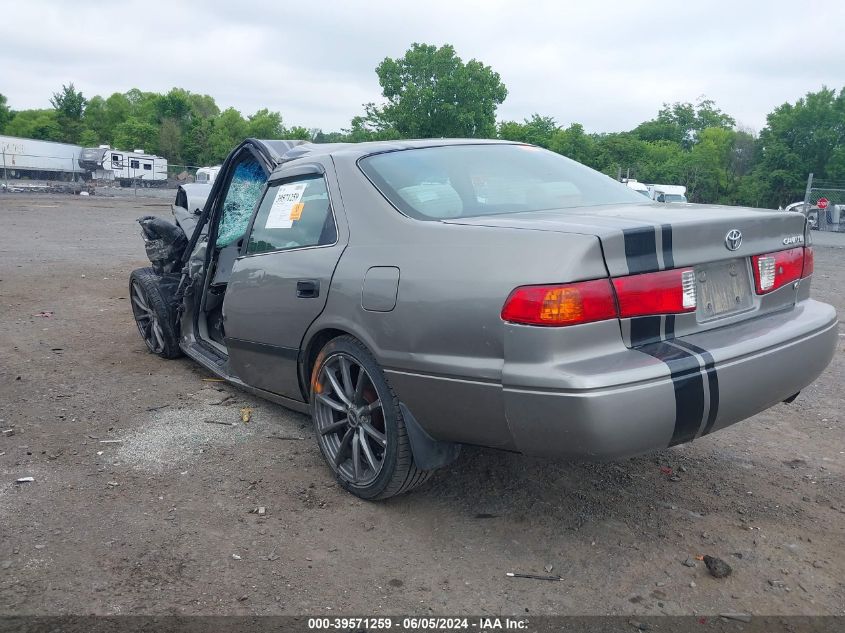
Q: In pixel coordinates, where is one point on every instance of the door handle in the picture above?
(307, 288)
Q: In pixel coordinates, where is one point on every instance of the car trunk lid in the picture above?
(716, 242)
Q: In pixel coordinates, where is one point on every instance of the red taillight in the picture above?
(667, 292)
(809, 261)
(567, 304)
(775, 270)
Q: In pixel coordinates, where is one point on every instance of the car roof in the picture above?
(276, 149)
(354, 151)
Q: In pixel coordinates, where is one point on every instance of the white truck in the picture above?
(667, 193)
(636, 185)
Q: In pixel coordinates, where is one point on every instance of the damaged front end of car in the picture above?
(160, 289)
(193, 252)
(164, 242)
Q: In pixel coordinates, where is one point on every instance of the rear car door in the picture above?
(280, 282)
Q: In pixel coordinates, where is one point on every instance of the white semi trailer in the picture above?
(30, 158)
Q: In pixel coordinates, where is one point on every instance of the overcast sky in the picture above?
(608, 65)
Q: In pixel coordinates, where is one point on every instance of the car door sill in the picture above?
(219, 366)
(211, 356)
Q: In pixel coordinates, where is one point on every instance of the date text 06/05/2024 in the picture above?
(430, 623)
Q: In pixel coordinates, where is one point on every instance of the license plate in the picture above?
(721, 289)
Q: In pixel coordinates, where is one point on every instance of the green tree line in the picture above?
(431, 92)
(184, 127)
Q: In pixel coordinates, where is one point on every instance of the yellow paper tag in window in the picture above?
(296, 211)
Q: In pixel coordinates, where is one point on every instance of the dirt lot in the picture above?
(140, 505)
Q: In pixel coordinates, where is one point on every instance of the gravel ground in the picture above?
(144, 503)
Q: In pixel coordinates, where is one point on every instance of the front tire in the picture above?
(154, 316)
(359, 425)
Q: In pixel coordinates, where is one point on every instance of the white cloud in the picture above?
(608, 65)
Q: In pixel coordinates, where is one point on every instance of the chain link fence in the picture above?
(181, 174)
(824, 204)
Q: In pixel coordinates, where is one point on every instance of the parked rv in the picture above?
(91, 160)
(206, 175)
(127, 168)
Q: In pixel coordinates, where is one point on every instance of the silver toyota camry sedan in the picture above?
(414, 296)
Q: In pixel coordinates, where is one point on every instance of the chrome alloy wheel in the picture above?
(350, 419)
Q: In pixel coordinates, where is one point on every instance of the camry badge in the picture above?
(733, 240)
(793, 239)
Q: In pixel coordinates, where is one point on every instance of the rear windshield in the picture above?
(461, 181)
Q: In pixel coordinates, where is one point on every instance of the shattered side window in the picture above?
(244, 191)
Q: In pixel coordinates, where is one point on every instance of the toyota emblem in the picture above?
(733, 240)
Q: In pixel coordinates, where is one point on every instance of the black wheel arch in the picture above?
(308, 355)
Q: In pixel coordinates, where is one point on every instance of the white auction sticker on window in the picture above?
(286, 206)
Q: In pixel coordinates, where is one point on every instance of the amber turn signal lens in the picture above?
(568, 304)
(562, 304)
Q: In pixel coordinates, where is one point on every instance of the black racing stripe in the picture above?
(645, 330)
(641, 250)
(670, 326)
(712, 382)
(666, 240)
(688, 383)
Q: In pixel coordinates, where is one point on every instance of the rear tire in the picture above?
(358, 423)
(154, 315)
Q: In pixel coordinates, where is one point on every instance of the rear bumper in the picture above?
(629, 401)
